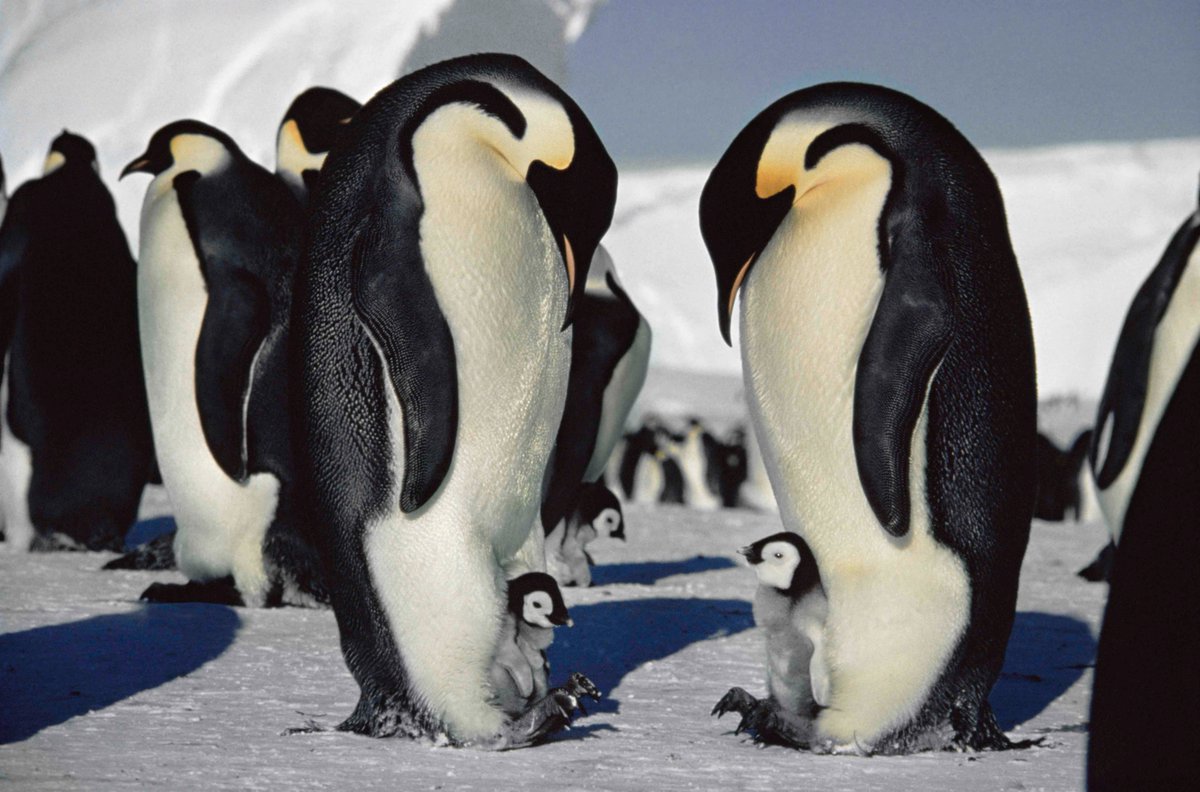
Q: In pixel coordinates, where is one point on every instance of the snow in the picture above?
(99, 690)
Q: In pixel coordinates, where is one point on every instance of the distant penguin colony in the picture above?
(220, 240)
(866, 380)
(451, 238)
(1144, 456)
(76, 450)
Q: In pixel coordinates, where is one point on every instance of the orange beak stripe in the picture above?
(570, 264)
(737, 282)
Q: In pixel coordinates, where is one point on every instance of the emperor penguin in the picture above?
(306, 134)
(610, 353)
(696, 465)
(520, 671)
(76, 448)
(1152, 354)
(889, 370)
(1148, 472)
(598, 514)
(220, 242)
(450, 241)
(790, 608)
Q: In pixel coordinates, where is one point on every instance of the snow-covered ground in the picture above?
(98, 691)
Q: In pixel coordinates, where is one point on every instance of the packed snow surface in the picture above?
(98, 691)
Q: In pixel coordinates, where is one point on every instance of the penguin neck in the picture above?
(534, 637)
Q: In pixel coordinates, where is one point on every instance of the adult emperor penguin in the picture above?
(451, 237)
(1149, 476)
(76, 411)
(888, 360)
(220, 240)
(1153, 352)
(307, 133)
(610, 353)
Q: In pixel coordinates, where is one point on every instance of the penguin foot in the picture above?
(551, 714)
(736, 700)
(157, 554)
(216, 592)
(54, 543)
(1100, 570)
(764, 721)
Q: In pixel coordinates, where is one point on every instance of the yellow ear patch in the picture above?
(54, 161)
(291, 133)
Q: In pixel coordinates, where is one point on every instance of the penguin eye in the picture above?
(538, 605)
(779, 555)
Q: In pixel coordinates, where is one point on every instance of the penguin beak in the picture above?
(725, 307)
(569, 261)
(139, 165)
(745, 551)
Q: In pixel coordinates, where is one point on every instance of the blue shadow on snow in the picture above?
(51, 674)
(146, 530)
(650, 572)
(611, 639)
(1047, 653)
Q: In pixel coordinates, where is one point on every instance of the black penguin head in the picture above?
(188, 143)
(546, 139)
(599, 507)
(315, 117)
(308, 131)
(775, 163)
(69, 149)
(535, 599)
(783, 561)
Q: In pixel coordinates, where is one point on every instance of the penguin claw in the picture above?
(767, 724)
(736, 700)
(579, 686)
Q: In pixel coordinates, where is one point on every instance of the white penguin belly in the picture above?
(1174, 340)
(896, 607)
(500, 283)
(220, 524)
(619, 395)
(16, 471)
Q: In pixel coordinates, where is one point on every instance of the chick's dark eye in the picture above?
(779, 555)
(538, 605)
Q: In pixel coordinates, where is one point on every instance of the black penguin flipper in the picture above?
(236, 322)
(14, 238)
(906, 342)
(604, 330)
(394, 298)
(1120, 411)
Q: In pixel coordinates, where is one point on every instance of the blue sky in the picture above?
(674, 80)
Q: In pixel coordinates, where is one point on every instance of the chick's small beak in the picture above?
(745, 551)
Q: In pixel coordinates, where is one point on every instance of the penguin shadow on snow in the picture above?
(611, 639)
(149, 529)
(51, 674)
(650, 572)
(1047, 654)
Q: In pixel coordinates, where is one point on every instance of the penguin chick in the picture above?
(790, 607)
(598, 514)
(306, 134)
(520, 672)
